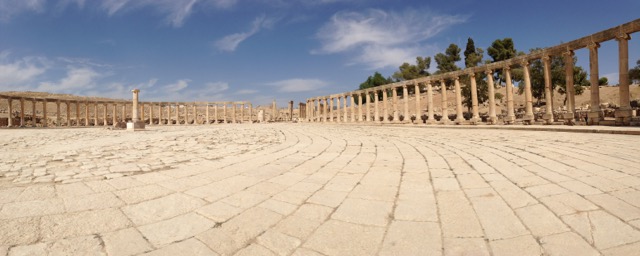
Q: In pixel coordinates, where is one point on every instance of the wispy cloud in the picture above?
(177, 86)
(230, 43)
(14, 73)
(10, 8)
(298, 85)
(77, 79)
(246, 91)
(379, 38)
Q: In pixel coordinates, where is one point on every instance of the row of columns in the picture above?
(322, 108)
(162, 111)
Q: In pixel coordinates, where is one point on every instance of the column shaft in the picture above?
(394, 94)
(623, 114)
(86, 113)
(418, 109)
(474, 98)
(104, 114)
(548, 116)
(78, 113)
(511, 116)
(330, 109)
(44, 114)
(492, 97)
(528, 109)
(353, 108)
(376, 116)
(33, 113)
(405, 95)
(10, 102)
(385, 106)
(368, 106)
(68, 107)
(430, 118)
(445, 105)
(459, 112)
(58, 113)
(570, 91)
(359, 107)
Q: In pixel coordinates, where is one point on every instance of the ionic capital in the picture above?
(623, 36)
(488, 72)
(568, 53)
(472, 74)
(593, 45)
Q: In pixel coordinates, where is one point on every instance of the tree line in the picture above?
(500, 49)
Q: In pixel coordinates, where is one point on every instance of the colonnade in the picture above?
(323, 109)
(104, 113)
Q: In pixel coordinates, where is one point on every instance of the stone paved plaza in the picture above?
(296, 189)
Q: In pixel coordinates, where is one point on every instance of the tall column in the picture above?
(142, 113)
(224, 113)
(207, 114)
(215, 114)
(511, 116)
(195, 113)
(134, 107)
(528, 107)
(430, 118)
(475, 118)
(623, 114)
(548, 116)
(251, 112)
(330, 109)
(21, 112)
(325, 110)
(359, 106)
(151, 113)
(124, 113)
(95, 113)
(68, 113)
(418, 109)
(594, 116)
(86, 113)
(445, 105)
(353, 109)
(57, 113)
(459, 114)
(44, 113)
(368, 106)
(177, 113)
(338, 112)
(33, 113)
(77, 113)
(345, 112)
(10, 102)
(376, 116)
(385, 106)
(233, 111)
(104, 114)
(405, 95)
(492, 97)
(114, 116)
(570, 91)
(394, 94)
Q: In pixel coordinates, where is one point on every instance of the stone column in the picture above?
(430, 116)
(594, 116)
(376, 116)
(385, 106)
(95, 113)
(353, 109)
(251, 112)
(124, 112)
(623, 114)
(492, 97)
(242, 112)
(368, 106)
(445, 112)
(114, 117)
(345, 113)
(104, 114)
(275, 110)
(86, 113)
(33, 113)
(418, 110)
(77, 113)
(405, 95)
(10, 102)
(459, 113)
(570, 91)
(195, 113)
(224, 113)
(177, 113)
(338, 112)
(57, 112)
(528, 107)
(21, 112)
(44, 113)
(134, 113)
(207, 114)
(68, 113)
(548, 116)
(215, 114)
(396, 115)
(330, 109)
(169, 122)
(142, 113)
(136, 122)
(150, 113)
(360, 107)
(475, 116)
(511, 116)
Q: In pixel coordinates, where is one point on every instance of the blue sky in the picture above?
(260, 50)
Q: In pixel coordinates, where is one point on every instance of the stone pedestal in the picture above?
(135, 126)
(594, 117)
(623, 116)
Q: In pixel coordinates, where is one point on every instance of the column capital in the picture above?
(593, 45)
(489, 72)
(472, 74)
(524, 62)
(623, 36)
(568, 53)
(456, 78)
(506, 67)
(546, 57)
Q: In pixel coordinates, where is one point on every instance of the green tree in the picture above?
(447, 61)
(603, 81)
(472, 58)
(372, 81)
(408, 71)
(504, 49)
(634, 73)
(558, 77)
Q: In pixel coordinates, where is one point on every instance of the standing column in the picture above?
(134, 106)
(44, 113)
(459, 113)
(68, 113)
(345, 109)
(492, 97)
(623, 114)
(207, 114)
(177, 113)
(95, 113)
(353, 108)
(418, 110)
(195, 113)
(104, 114)
(338, 113)
(10, 102)
(548, 116)
(368, 106)
(242, 112)
(86, 113)
(330, 109)
(224, 112)
(396, 115)
(445, 112)
(114, 116)
(21, 112)
(385, 106)
(124, 112)
(325, 109)
(33, 113)
(511, 116)
(528, 109)
(57, 112)
(405, 95)
(142, 114)
(160, 113)
(376, 116)
(570, 91)
(151, 113)
(430, 118)
(77, 113)
(215, 113)
(594, 116)
(474, 98)
(359, 106)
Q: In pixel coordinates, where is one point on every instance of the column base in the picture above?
(528, 117)
(623, 116)
(135, 126)
(459, 121)
(475, 120)
(594, 117)
(492, 120)
(548, 118)
(509, 119)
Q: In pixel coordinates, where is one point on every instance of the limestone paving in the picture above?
(307, 189)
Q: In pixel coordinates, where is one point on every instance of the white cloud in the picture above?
(177, 86)
(10, 8)
(298, 85)
(77, 79)
(246, 91)
(230, 43)
(216, 87)
(392, 37)
(19, 72)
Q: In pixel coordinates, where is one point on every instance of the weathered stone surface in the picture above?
(54, 227)
(175, 229)
(161, 208)
(342, 238)
(125, 242)
(187, 247)
(412, 238)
